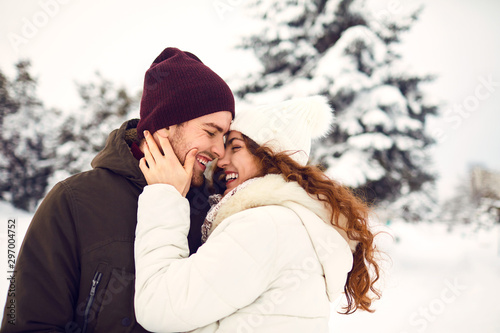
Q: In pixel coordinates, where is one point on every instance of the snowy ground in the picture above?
(437, 280)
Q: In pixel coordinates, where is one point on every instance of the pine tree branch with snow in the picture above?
(342, 49)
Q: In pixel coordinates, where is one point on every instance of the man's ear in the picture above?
(161, 133)
(164, 132)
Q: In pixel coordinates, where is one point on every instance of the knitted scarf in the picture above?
(216, 201)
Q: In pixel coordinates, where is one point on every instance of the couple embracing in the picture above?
(138, 243)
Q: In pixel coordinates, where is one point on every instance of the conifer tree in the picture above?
(345, 50)
(26, 140)
(83, 133)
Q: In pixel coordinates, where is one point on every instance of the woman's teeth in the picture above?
(231, 176)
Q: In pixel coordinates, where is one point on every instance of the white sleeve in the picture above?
(175, 292)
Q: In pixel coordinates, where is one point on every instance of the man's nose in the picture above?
(218, 149)
(222, 162)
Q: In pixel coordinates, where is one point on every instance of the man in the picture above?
(75, 271)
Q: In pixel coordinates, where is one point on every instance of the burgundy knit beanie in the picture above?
(178, 87)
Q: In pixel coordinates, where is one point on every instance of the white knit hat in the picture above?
(287, 126)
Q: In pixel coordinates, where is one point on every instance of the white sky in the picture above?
(454, 39)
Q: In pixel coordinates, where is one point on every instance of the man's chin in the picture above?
(197, 180)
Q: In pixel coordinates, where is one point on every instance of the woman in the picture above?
(281, 244)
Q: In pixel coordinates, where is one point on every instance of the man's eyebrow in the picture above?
(217, 127)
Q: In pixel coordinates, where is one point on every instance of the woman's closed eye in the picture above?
(235, 148)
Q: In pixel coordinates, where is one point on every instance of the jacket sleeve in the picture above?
(175, 292)
(47, 270)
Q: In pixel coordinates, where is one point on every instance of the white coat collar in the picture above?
(273, 189)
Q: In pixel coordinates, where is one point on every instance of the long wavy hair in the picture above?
(359, 289)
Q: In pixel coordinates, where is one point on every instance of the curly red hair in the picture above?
(359, 289)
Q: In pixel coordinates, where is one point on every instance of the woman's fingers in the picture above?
(166, 168)
(149, 159)
(188, 168)
(156, 155)
(189, 161)
(153, 149)
(144, 168)
(165, 144)
(143, 164)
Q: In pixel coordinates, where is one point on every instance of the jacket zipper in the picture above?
(95, 283)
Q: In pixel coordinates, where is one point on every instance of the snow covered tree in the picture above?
(346, 50)
(84, 132)
(41, 146)
(7, 106)
(27, 131)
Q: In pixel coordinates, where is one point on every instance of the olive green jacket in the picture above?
(75, 271)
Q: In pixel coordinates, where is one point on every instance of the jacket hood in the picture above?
(117, 157)
(332, 246)
(272, 189)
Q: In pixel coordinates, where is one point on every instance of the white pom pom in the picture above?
(317, 113)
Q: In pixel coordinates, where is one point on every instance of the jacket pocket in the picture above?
(116, 312)
(109, 305)
(90, 301)
(89, 306)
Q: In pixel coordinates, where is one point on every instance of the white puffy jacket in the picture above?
(271, 264)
